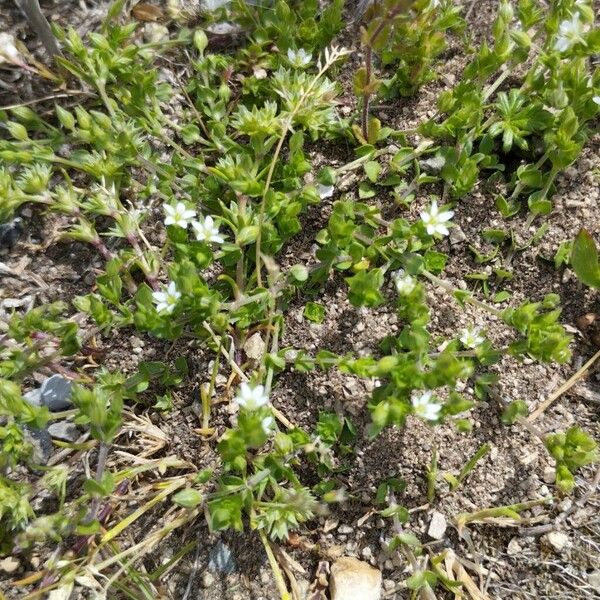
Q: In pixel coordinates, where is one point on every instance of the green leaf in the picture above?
(563, 254)
(188, 498)
(372, 170)
(502, 296)
(435, 261)
(298, 273)
(365, 190)
(314, 312)
(584, 259)
(514, 411)
(247, 235)
(329, 427)
(364, 288)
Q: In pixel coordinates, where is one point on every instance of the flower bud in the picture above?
(200, 40)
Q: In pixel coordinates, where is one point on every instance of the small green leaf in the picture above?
(247, 235)
(188, 498)
(584, 259)
(314, 312)
(298, 273)
(502, 296)
(372, 170)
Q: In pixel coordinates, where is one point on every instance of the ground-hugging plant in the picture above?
(190, 214)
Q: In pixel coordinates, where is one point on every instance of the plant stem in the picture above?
(432, 472)
(103, 449)
(446, 285)
(367, 95)
(101, 87)
(286, 127)
(206, 398)
(277, 574)
(239, 268)
(506, 71)
(392, 12)
(274, 349)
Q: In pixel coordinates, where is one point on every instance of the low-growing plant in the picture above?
(188, 212)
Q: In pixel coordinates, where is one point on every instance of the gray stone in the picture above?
(34, 397)
(220, 559)
(352, 579)
(433, 165)
(457, 235)
(56, 393)
(437, 526)
(64, 430)
(41, 441)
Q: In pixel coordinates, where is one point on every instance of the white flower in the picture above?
(435, 221)
(434, 4)
(299, 58)
(178, 215)
(424, 407)
(251, 398)
(166, 301)
(570, 32)
(404, 283)
(207, 231)
(596, 99)
(268, 425)
(471, 337)
(8, 50)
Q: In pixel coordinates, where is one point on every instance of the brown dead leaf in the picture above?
(147, 12)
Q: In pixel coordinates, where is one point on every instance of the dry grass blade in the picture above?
(136, 514)
(468, 584)
(152, 438)
(566, 386)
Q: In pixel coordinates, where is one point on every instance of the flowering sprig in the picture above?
(404, 282)
(424, 406)
(268, 425)
(471, 337)
(179, 215)
(205, 230)
(251, 398)
(299, 58)
(166, 301)
(570, 32)
(436, 222)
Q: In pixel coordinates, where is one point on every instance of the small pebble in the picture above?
(9, 565)
(549, 475)
(437, 526)
(63, 430)
(207, 579)
(558, 540)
